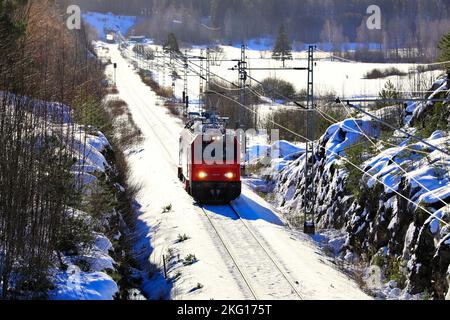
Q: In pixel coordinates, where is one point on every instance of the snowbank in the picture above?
(52, 112)
(89, 153)
(74, 284)
(97, 258)
(284, 149)
(343, 135)
(378, 218)
(91, 283)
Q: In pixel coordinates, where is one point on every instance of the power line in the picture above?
(391, 100)
(391, 158)
(273, 90)
(354, 61)
(270, 88)
(332, 121)
(349, 162)
(396, 129)
(361, 131)
(355, 107)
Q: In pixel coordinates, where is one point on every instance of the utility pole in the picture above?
(157, 66)
(208, 66)
(173, 75)
(164, 69)
(185, 89)
(242, 67)
(309, 197)
(115, 74)
(208, 77)
(202, 77)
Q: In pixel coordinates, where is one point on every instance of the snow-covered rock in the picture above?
(382, 216)
(102, 243)
(284, 149)
(74, 284)
(96, 258)
(92, 282)
(421, 108)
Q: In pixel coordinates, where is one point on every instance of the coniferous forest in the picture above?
(405, 23)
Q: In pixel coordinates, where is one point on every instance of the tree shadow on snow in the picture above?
(154, 284)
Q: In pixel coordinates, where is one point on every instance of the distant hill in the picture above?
(406, 23)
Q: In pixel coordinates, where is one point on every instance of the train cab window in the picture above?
(219, 152)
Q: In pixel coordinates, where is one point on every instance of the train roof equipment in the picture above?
(202, 122)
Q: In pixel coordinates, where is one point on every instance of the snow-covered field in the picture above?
(340, 77)
(213, 275)
(344, 79)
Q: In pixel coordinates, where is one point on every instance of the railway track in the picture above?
(227, 248)
(255, 266)
(260, 271)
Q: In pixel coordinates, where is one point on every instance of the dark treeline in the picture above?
(40, 60)
(417, 24)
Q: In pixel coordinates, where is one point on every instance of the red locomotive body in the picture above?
(209, 162)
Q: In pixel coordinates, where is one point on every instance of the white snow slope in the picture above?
(94, 284)
(214, 275)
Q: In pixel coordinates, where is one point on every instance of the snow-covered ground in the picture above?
(94, 283)
(87, 148)
(75, 284)
(213, 275)
(338, 76)
(412, 174)
(344, 79)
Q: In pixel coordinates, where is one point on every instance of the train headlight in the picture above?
(202, 174)
(229, 175)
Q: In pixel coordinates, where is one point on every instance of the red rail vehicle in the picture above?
(209, 160)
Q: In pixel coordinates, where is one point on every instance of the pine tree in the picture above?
(283, 49)
(171, 43)
(389, 92)
(8, 10)
(444, 46)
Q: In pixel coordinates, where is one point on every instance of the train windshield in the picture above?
(221, 150)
